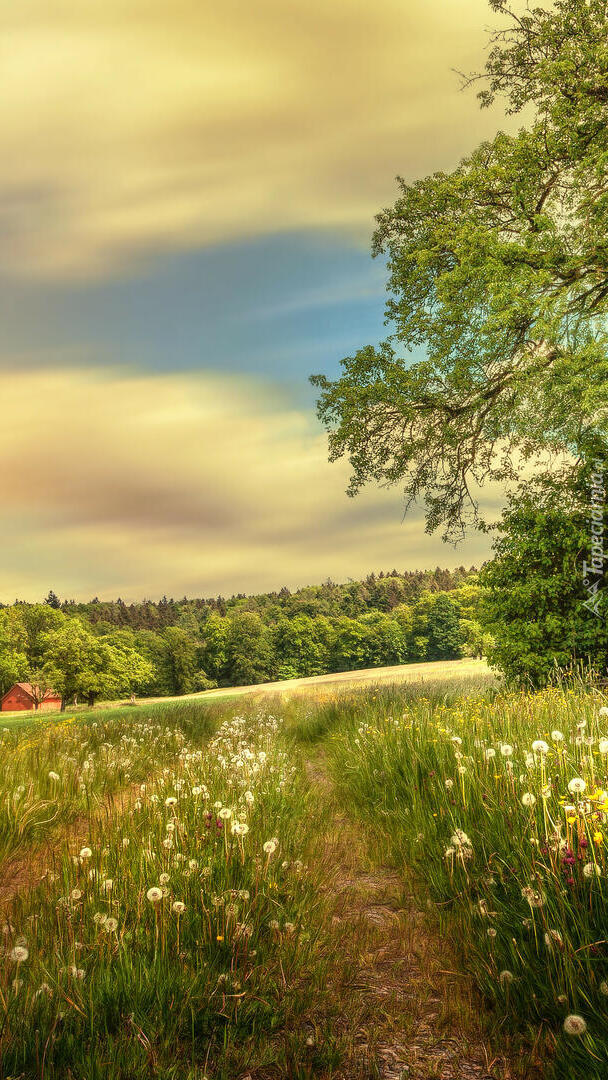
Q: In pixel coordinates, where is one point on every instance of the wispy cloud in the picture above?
(133, 127)
(136, 485)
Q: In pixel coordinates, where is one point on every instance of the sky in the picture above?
(187, 197)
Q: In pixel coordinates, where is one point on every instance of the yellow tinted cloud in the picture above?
(130, 126)
(142, 485)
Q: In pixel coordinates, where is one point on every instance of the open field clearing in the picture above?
(380, 883)
(444, 671)
(463, 671)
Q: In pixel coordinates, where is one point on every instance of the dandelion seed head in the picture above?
(575, 1025)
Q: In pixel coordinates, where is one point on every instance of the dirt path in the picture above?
(408, 1013)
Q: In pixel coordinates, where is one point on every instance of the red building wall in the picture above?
(17, 701)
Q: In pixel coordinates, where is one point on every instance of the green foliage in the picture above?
(535, 595)
(249, 650)
(499, 272)
(178, 664)
(482, 800)
(77, 663)
(303, 643)
(86, 651)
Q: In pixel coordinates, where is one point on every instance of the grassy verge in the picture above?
(181, 940)
(501, 808)
(54, 770)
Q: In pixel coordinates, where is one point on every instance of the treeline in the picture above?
(108, 649)
(381, 592)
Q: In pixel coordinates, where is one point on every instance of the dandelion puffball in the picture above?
(557, 735)
(539, 746)
(154, 894)
(528, 799)
(575, 1025)
(576, 786)
(178, 907)
(270, 847)
(19, 954)
(85, 853)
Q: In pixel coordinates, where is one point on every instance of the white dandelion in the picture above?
(575, 1025)
(539, 746)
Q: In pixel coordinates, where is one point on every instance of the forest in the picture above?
(108, 649)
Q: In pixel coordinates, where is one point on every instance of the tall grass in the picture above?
(54, 769)
(502, 809)
(181, 938)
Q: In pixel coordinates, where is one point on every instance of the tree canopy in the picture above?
(498, 273)
(107, 649)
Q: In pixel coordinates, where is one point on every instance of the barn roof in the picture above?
(29, 690)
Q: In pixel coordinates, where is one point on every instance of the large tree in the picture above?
(79, 664)
(540, 598)
(498, 279)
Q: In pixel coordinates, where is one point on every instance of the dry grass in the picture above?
(431, 672)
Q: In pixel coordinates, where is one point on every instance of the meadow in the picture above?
(333, 885)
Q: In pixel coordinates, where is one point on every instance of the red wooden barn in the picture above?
(22, 697)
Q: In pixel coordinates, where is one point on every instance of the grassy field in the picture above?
(475, 671)
(355, 882)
